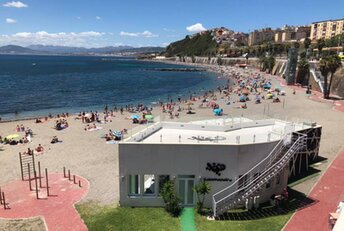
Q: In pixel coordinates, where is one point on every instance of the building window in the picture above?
(149, 185)
(134, 185)
(162, 180)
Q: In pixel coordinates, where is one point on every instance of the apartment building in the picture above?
(326, 29)
(260, 36)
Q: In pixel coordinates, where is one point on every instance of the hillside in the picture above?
(100, 50)
(13, 49)
(201, 44)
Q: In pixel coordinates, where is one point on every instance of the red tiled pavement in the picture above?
(329, 191)
(57, 210)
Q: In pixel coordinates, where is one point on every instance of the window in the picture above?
(134, 185)
(162, 180)
(149, 185)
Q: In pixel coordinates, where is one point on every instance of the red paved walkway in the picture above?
(329, 191)
(57, 210)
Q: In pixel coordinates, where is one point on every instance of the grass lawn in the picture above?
(274, 223)
(106, 218)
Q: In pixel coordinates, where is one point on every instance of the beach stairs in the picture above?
(255, 179)
(27, 166)
(317, 76)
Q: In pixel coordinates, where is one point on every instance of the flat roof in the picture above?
(217, 131)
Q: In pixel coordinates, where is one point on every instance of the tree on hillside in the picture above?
(320, 46)
(296, 45)
(327, 65)
(335, 63)
(307, 43)
(303, 69)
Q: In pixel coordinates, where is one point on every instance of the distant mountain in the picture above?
(77, 50)
(13, 49)
(144, 49)
(42, 49)
(101, 50)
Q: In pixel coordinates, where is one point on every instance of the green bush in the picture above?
(171, 200)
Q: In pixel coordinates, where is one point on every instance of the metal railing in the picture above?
(258, 178)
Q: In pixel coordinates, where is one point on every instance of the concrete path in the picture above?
(57, 210)
(188, 219)
(329, 191)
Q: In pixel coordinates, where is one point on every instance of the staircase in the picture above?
(317, 76)
(259, 175)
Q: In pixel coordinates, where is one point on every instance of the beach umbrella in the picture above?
(245, 92)
(269, 96)
(242, 98)
(12, 136)
(149, 117)
(117, 133)
(267, 86)
(134, 117)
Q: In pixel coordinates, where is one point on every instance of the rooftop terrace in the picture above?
(217, 131)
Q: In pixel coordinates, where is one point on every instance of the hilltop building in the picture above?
(244, 161)
(292, 33)
(223, 35)
(326, 29)
(260, 36)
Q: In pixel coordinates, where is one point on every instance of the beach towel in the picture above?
(112, 142)
(94, 129)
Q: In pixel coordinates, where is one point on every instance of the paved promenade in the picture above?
(329, 191)
(57, 210)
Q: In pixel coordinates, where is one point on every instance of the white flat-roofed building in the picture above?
(233, 155)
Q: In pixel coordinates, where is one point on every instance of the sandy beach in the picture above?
(85, 153)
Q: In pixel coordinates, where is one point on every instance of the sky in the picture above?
(98, 23)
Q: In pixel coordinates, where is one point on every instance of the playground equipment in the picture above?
(3, 200)
(29, 173)
(69, 177)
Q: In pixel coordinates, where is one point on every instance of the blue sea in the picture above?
(39, 85)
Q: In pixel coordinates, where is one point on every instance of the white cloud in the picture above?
(198, 27)
(87, 38)
(98, 18)
(15, 4)
(165, 44)
(146, 34)
(10, 20)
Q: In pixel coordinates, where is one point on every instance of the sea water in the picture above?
(38, 85)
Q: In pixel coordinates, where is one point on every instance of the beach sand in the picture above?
(86, 154)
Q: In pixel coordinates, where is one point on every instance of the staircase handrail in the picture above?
(266, 171)
(253, 168)
(318, 80)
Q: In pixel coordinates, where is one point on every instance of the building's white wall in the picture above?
(188, 159)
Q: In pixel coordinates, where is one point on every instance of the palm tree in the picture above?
(324, 69)
(327, 65)
(335, 63)
(307, 43)
(320, 46)
(303, 70)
